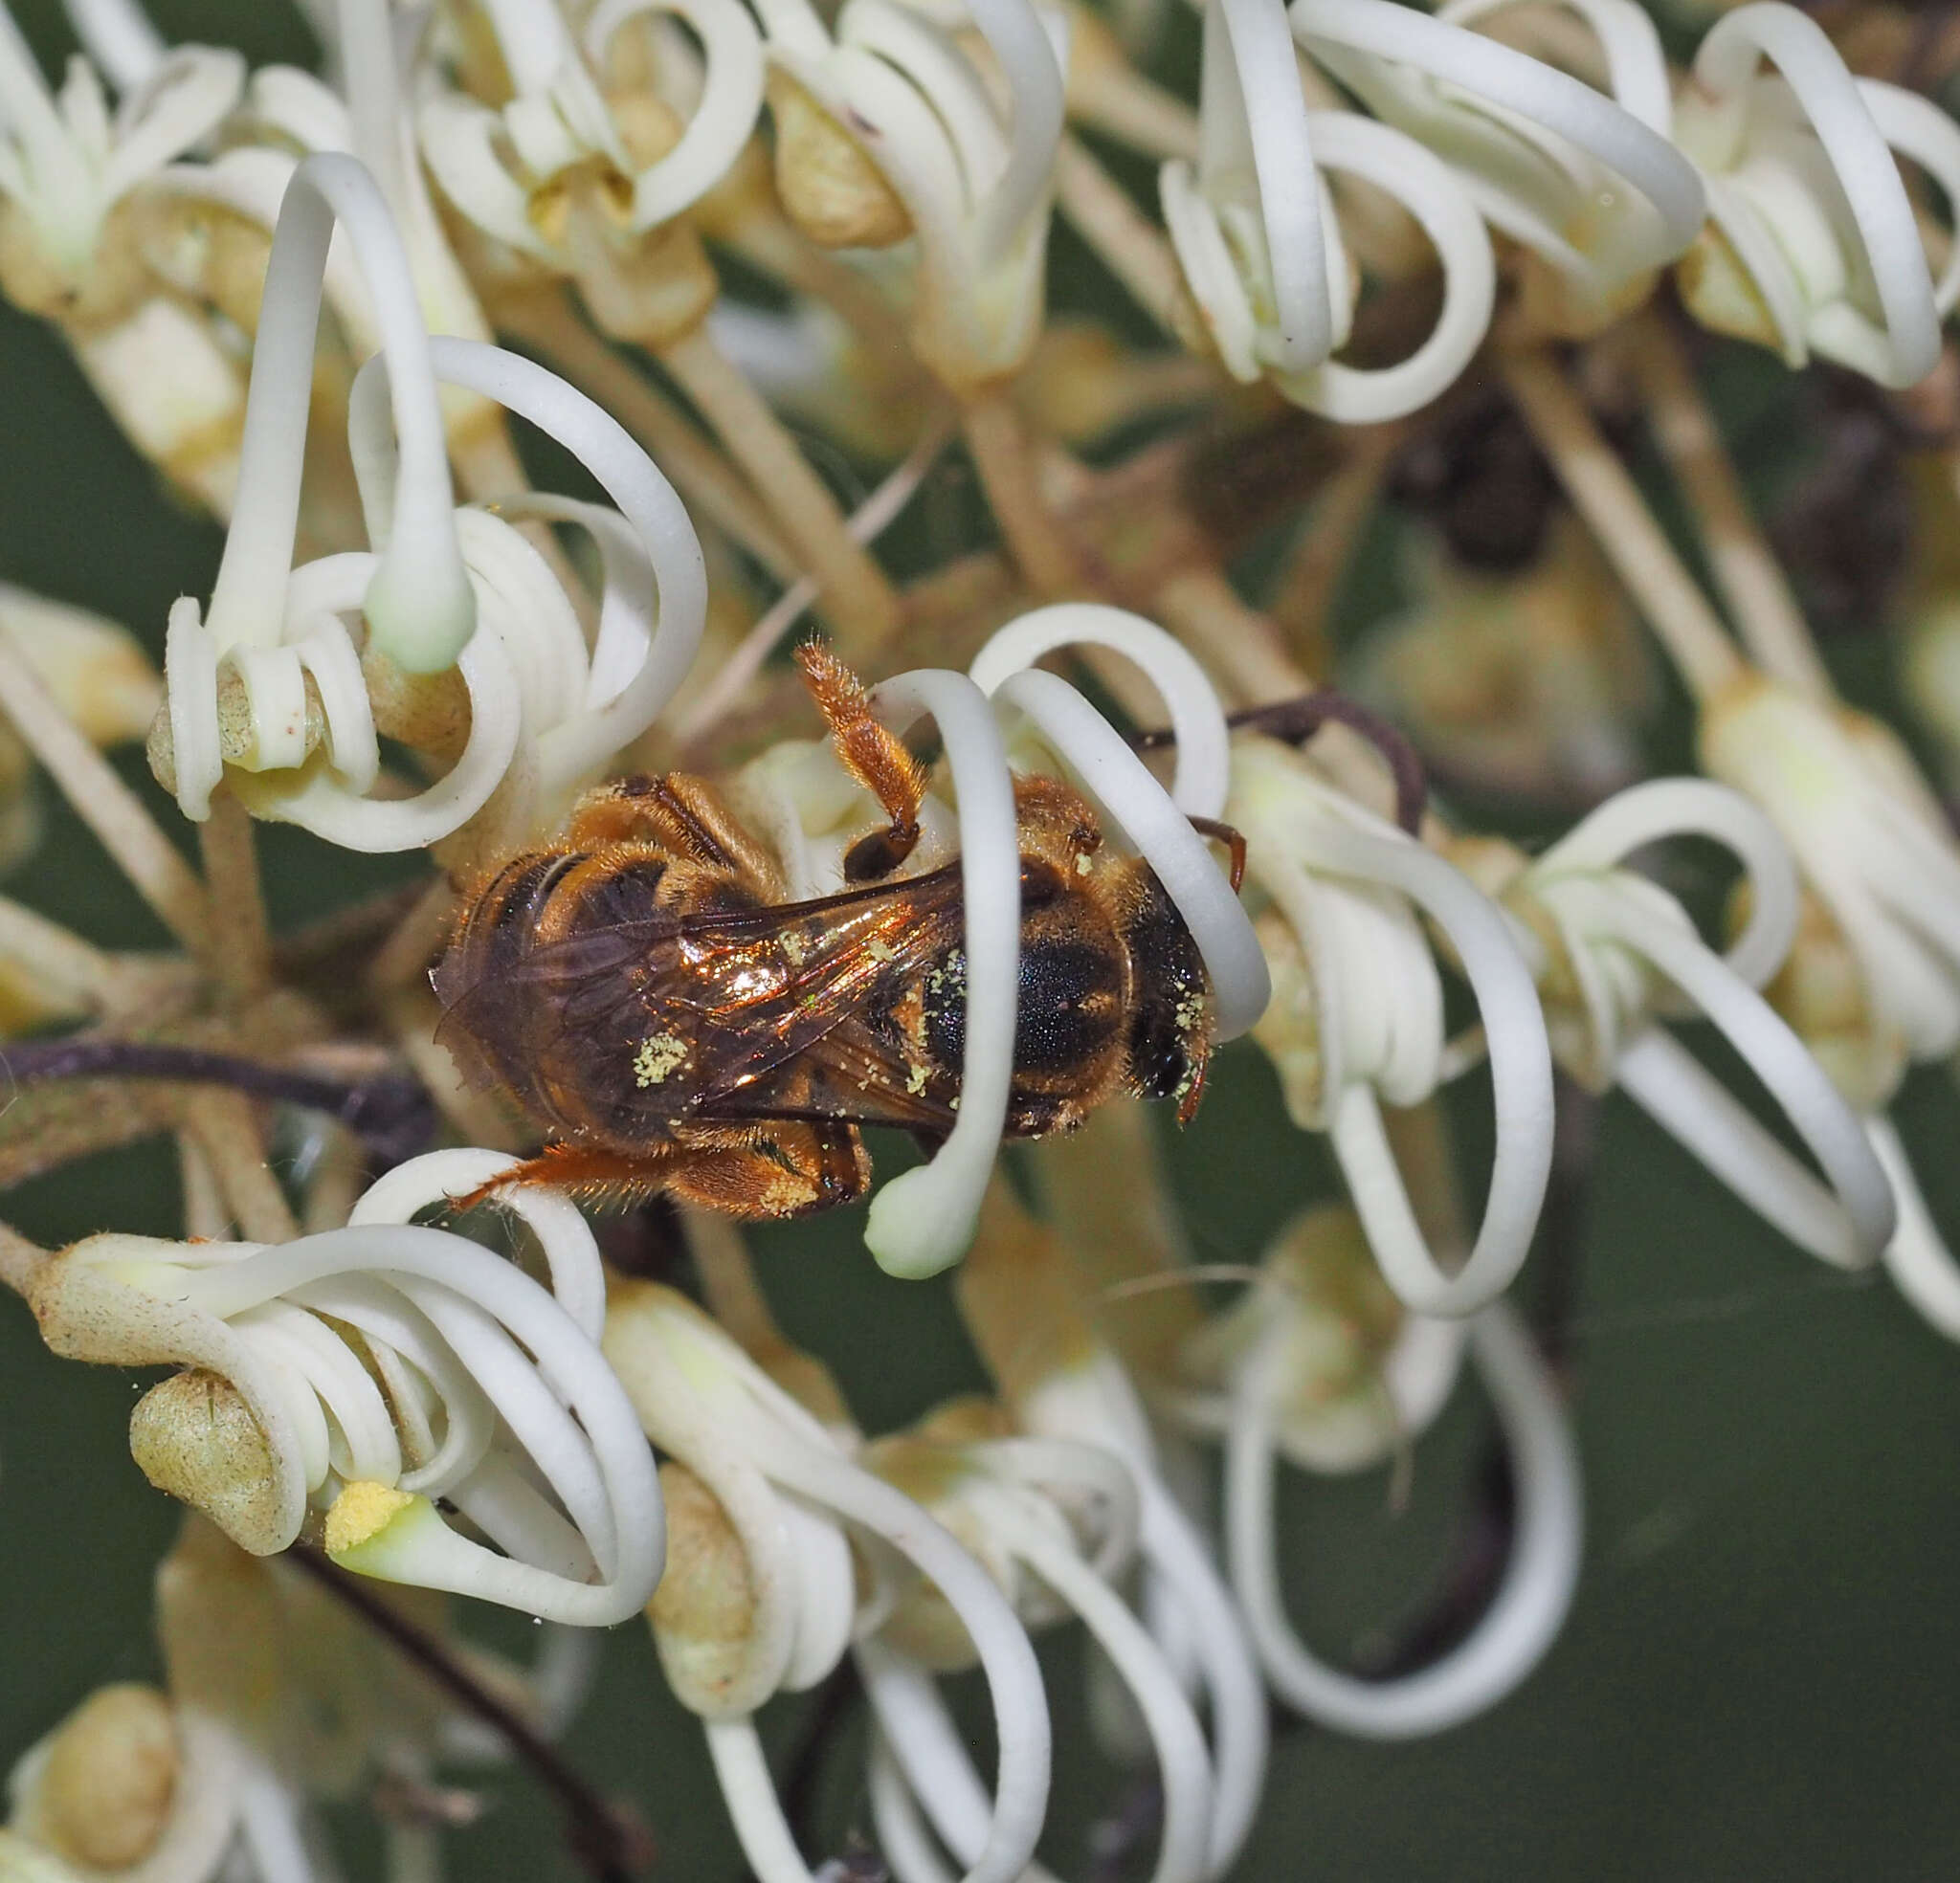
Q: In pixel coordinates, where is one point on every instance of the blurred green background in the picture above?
(1762, 1675)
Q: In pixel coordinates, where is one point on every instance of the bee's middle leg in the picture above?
(784, 1168)
(781, 1168)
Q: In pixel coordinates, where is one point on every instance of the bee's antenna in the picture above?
(1295, 720)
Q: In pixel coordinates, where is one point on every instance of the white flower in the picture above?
(1257, 237)
(534, 695)
(782, 1492)
(1293, 1364)
(1868, 835)
(970, 181)
(462, 1381)
(1813, 245)
(1064, 1382)
(1018, 1504)
(66, 163)
(1620, 951)
(506, 168)
(1357, 1012)
(1586, 180)
(70, 174)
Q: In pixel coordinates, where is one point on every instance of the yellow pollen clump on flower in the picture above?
(361, 1512)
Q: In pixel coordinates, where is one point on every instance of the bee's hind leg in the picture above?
(589, 1172)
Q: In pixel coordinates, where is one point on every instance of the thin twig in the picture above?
(998, 441)
(606, 1839)
(858, 598)
(866, 523)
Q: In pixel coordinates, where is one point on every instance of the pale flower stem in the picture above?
(1608, 499)
(1746, 570)
(205, 1216)
(107, 805)
(725, 688)
(1917, 1257)
(1239, 645)
(750, 1794)
(119, 37)
(59, 954)
(999, 444)
(1131, 246)
(1311, 575)
(21, 1261)
(411, 943)
(1117, 100)
(225, 1128)
(240, 942)
(712, 486)
(860, 601)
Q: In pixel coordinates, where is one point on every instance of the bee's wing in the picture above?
(732, 995)
(853, 955)
(508, 1016)
(859, 1073)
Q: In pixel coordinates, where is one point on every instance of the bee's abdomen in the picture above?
(1069, 1020)
(504, 1002)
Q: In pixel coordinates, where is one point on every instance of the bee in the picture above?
(672, 1023)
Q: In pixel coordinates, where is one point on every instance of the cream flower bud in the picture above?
(1868, 837)
(703, 1614)
(96, 1790)
(195, 1438)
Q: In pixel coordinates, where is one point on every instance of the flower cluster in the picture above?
(1096, 809)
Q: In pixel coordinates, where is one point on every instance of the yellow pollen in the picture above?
(657, 1057)
(361, 1512)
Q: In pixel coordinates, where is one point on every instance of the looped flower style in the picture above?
(1357, 1014)
(1811, 231)
(506, 168)
(1064, 1382)
(1117, 782)
(1259, 244)
(784, 1490)
(1319, 1364)
(419, 606)
(1586, 180)
(486, 1392)
(654, 603)
(1620, 940)
(1015, 1501)
(968, 181)
(535, 694)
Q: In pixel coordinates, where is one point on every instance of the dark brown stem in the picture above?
(391, 1114)
(607, 1838)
